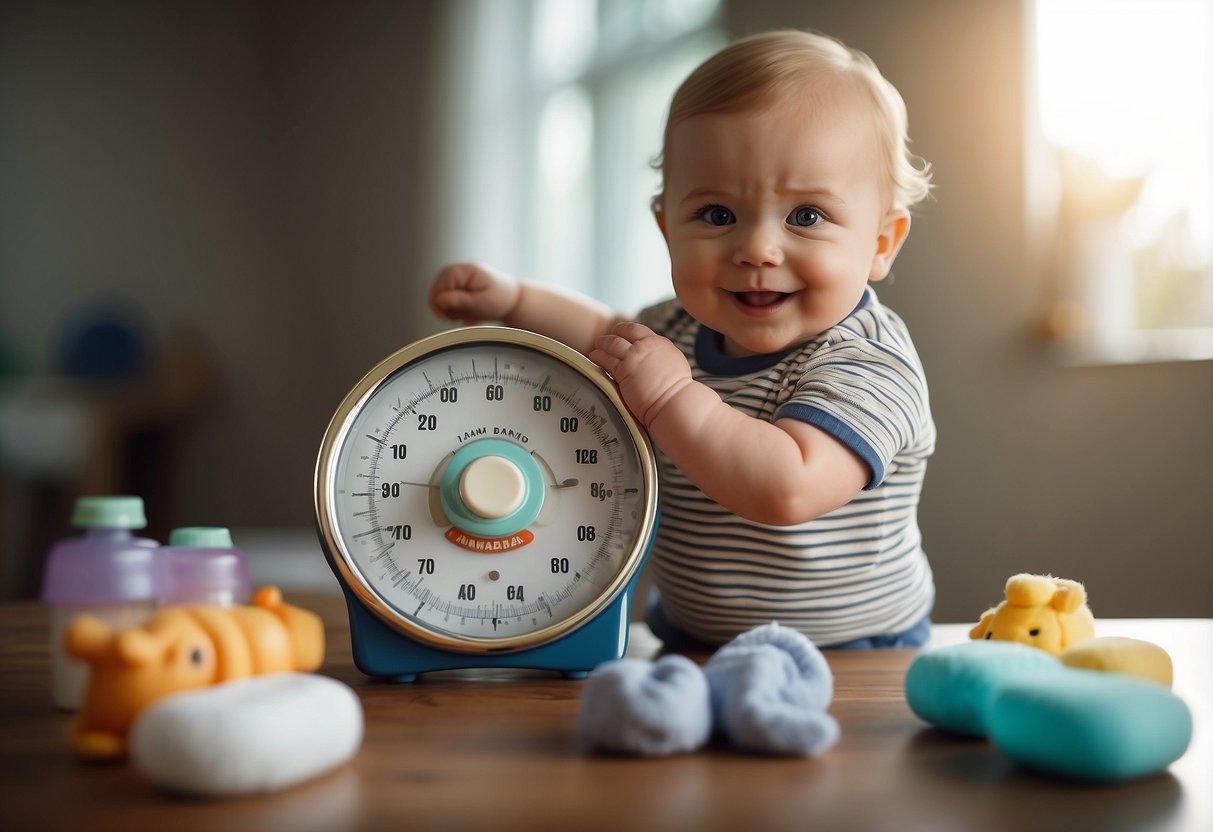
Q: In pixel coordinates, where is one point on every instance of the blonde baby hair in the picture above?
(759, 70)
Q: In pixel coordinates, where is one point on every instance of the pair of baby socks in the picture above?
(766, 691)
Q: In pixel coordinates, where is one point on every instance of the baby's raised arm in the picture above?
(473, 293)
(782, 473)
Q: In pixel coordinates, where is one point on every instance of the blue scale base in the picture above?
(382, 651)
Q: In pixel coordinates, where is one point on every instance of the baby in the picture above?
(788, 405)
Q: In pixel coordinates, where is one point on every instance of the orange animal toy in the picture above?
(1040, 610)
(180, 648)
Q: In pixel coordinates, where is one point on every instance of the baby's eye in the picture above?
(805, 217)
(1034, 632)
(716, 215)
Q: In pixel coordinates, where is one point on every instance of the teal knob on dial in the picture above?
(492, 488)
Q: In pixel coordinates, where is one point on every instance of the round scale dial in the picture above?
(485, 490)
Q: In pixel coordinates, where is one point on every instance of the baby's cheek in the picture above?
(694, 279)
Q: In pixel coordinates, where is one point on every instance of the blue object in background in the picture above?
(105, 341)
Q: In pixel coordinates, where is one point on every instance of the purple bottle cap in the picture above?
(201, 566)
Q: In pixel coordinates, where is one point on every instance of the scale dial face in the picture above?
(485, 490)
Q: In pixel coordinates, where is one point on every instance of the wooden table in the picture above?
(496, 751)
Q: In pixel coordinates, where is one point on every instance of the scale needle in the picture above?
(569, 483)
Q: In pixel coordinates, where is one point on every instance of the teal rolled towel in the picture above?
(1090, 725)
(952, 687)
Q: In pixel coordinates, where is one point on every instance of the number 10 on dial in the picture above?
(485, 500)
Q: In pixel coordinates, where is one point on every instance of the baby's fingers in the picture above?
(613, 345)
(609, 352)
(451, 303)
(631, 331)
(605, 360)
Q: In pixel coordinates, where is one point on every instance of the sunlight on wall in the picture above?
(549, 171)
(565, 204)
(1125, 101)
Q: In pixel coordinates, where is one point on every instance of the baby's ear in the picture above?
(659, 216)
(892, 233)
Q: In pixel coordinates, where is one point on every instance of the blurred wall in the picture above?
(267, 171)
(254, 170)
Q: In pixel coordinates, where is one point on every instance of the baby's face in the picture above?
(776, 220)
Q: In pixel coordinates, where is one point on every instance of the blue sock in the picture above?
(653, 709)
(770, 688)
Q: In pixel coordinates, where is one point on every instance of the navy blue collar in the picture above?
(711, 357)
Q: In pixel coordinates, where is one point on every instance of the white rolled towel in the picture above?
(248, 736)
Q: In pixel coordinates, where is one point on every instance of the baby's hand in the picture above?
(648, 368)
(472, 293)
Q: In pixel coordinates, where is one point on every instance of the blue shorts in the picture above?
(677, 641)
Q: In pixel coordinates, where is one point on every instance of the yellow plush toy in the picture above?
(1052, 614)
(1040, 610)
(1122, 655)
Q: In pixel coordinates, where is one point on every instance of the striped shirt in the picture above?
(855, 572)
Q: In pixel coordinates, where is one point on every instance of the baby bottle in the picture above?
(201, 566)
(106, 572)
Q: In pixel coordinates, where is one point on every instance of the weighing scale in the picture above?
(485, 500)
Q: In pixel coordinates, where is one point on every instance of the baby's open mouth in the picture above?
(759, 300)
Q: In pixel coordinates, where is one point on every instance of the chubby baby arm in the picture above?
(780, 474)
(472, 293)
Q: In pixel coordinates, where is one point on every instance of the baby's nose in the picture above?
(758, 245)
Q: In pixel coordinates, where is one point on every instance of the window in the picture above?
(548, 164)
(1124, 118)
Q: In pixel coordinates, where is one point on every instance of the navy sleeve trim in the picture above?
(841, 431)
